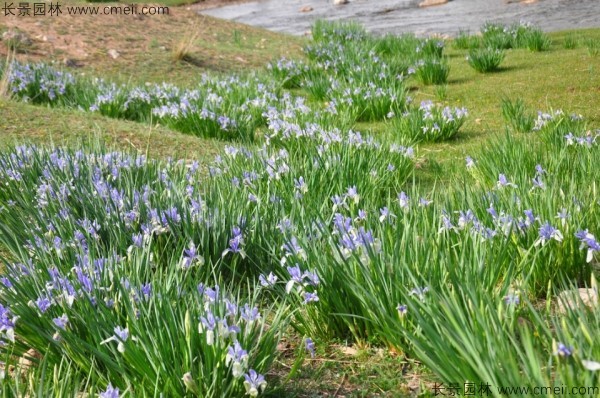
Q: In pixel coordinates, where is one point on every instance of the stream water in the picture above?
(398, 16)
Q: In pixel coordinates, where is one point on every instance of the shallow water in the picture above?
(397, 16)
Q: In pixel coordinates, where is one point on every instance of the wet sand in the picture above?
(398, 16)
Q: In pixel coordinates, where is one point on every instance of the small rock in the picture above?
(306, 9)
(25, 362)
(573, 298)
(114, 54)
(429, 3)
(348, 350)
(339, 2)
(70, 63)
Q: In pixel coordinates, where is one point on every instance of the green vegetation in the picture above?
(305, 251)
(485, 60)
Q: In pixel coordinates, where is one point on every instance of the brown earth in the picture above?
(146, 44)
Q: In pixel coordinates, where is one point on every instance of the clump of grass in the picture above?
(184, 48)
(16, 40)
(485, 60)
(237, 37)
(570, 42)
(441, 92)
(593, 47)
(392, 44)
(431, 48)
(349, 31)
(559, 128)
(515, 114)
(288, 73)
(497, 36)
(536, 40)
(465, 41)
(5, 71)
(432, 71)
(429, 122)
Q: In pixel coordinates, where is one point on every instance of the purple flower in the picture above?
(402, 309)
(352, 194)
(404, 200)
(238, 356)
(563, 214)
(539, 170)
(530, 217)
(385, 214)
(446, 223)
(548, 232)
(419, 292)
(512, 299)
(110, 392)
(250, 314)
(295, 273)
(342, 224)
(284, 225)
(538, 183)
(590, 242)
(268, 281)
(147, 290)
(337, 202)
(254, 383)
(470, 162)
(563, 351)
(7, 323)
(291, 247)
(313, 278)
(300, 185)
(503, 182)
(6, 282)
(121, 334)
(424, 202)
(211, 295)
(43, 303)
(191, 256)
(310, 297)
(236, 243)
(138, 240)
(310, 346)
(61, 322)
(362, 215)
(208, 324)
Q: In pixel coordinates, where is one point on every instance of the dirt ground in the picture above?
(144, 44)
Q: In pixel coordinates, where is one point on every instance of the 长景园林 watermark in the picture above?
(27, 9)
(487, 390)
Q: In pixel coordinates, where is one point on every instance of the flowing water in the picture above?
(398, 16)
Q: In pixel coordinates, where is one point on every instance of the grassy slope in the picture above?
(22, 123)
(560, 78)
(556, 79)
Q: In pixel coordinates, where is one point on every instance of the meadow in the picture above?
(376, 216)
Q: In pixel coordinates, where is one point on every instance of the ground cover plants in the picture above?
(130, 276)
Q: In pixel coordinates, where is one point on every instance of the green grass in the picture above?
(23, 123)
(558, 78)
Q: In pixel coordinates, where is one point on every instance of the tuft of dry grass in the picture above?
(183, 50)
(5, 91)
